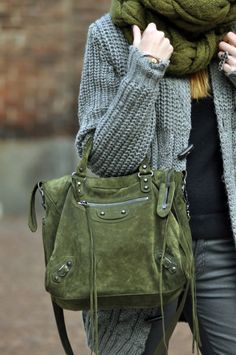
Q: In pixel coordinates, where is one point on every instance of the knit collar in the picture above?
(193, 27)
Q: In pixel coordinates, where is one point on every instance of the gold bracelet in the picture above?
(153, 59)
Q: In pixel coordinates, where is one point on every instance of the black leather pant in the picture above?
(215, 262)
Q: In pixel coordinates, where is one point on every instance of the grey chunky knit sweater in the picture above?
(134, 109)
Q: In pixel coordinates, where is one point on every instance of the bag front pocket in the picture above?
(124, 238)
(115, 211)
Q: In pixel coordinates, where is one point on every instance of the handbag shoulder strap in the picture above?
(61, 327)
(144, 167)
(60, 321)
(82, 166)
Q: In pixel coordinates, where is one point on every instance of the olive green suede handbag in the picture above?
(115, 242)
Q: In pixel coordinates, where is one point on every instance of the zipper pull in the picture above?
(83, 203)
(166, 195)
(184, 189)
(168, 263)
(165, 202)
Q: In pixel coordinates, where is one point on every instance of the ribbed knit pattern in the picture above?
(133, 109)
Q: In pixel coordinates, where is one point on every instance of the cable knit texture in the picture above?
(133, 109)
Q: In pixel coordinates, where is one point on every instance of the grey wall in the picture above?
(25, 162)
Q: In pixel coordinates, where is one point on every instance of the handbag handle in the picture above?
(144, 167)
(82, 166)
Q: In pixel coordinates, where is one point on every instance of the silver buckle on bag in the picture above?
(42, 194)
(145, 181)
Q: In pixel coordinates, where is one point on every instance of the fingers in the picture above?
(230, 38)
(228, 45)
(230, 61)
(227, 68)
(151, 27)
(230, 65)
(152, 41)
(224, 46)
(151, 30)
(137, 35)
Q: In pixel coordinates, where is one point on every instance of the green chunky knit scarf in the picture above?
(194, 27)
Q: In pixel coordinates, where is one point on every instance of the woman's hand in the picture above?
(153, 42)
(228, 44)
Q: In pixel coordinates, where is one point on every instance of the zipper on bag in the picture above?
(184, 189)
(127, 202)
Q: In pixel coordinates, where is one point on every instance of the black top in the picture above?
(205, 187)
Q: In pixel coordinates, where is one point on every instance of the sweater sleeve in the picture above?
(118, 111)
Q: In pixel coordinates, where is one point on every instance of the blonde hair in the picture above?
(200, 84)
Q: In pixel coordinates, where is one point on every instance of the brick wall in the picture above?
(42, 45)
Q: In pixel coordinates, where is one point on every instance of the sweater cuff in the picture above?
(142, 70)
